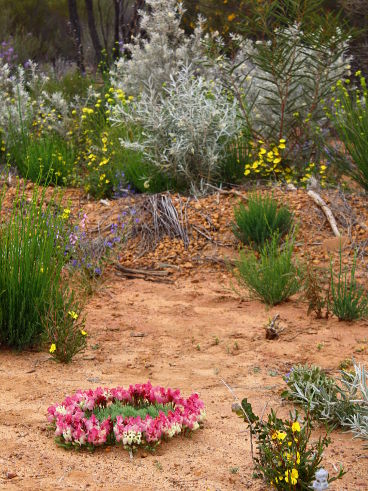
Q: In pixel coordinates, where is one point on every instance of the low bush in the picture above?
(273, 277)
(262, 219)
(286, 458)
(64, 328)
(32, 256)
(184, 131)
(342, 402)
(315, 293)
(347, 300)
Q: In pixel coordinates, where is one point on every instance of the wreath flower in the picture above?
(76, 422)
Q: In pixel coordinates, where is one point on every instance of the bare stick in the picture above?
(237, 400)
(326, 210)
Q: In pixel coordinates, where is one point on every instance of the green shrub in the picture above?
(286, 459)
(350, 119)
(64, 328)
(49, 158)
(272, 278)
(262, 219)
(32, 245)
(347, 300)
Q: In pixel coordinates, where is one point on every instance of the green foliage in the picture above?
(263, 219)
(128, 411)
(350, 119)
(282, 80)
(71, 84)
(347, 300)
(32, 245)
(64, 328)
(338, 402)
(231, 169)
(286, 459)
(274, 277)
(143, 175)
(49, 158)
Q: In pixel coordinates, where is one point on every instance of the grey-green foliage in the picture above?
(186, 127)
(127, 411)
(281, 81)
(274, 276)
(342, 402)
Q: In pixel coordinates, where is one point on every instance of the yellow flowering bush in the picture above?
(286, 459)
(272, 161)
(65, 333)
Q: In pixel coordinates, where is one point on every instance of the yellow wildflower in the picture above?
(293, 476)
(52, 348)
(73, 314)
(281, 435)
(83, 332)
(295, 427)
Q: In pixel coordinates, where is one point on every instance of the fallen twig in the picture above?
(331, 219)
(144, 274)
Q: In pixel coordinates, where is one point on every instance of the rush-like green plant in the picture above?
(347, 299)
(274, 276)
(32, 246)
(261, 220)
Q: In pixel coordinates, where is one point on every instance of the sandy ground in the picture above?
(167, 333)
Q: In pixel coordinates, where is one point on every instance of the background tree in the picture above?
(76, 33)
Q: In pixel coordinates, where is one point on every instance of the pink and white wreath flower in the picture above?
(75, 424)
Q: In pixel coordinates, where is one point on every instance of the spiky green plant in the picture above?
(262, 219)
(274, 276)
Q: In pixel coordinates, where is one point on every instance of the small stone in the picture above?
(11, 475)
(137, 334)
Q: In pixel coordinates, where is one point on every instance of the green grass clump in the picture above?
(32, 245)
(127, 411)
(273, 277)
(262, 219)
(49, 158)
(347, 300)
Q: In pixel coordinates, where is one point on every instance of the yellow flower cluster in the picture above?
(268, 160)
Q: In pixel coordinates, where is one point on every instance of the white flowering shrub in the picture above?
(160, 49)
(185, 129)
(23, 100)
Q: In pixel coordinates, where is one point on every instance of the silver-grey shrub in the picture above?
(185, 127)
(160, 49)
(342, 402)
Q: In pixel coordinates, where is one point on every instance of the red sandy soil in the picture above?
(189, 334)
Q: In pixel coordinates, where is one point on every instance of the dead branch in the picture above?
(331, 219)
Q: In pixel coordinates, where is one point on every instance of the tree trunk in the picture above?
(76, 33)
(129, 19)
(116, 48)
(92, 30)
